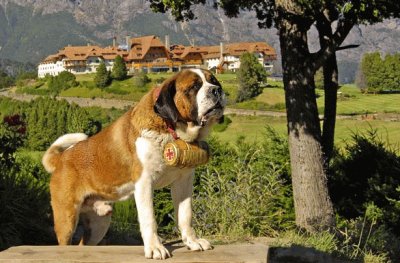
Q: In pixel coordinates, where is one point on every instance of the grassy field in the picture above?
(253, 127)
(350, 102)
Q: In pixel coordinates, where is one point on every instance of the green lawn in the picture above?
(350, 101)
(252, 128)
(124, 89)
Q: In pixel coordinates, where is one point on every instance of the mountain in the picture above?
(32, 29)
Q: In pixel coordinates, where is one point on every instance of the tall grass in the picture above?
(244, 191)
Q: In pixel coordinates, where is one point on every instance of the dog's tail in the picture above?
(52, 155)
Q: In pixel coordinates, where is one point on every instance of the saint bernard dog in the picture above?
(125, 159)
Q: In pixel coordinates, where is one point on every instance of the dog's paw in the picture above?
(198, 244)
(156, 251)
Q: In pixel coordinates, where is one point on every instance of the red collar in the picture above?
(170, 125)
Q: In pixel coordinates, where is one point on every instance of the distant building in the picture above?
(78, 60)
(227, 56)
(149, 54)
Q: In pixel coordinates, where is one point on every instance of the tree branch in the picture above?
(343, 28)
(347, 47)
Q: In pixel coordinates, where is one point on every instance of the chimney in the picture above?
(128, 42)
(221, 51)
(167, 44)
(114, 44)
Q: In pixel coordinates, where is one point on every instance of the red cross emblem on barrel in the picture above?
(183, 154)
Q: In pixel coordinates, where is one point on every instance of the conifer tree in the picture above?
(102, 78)
(119, 71)
(250, 75)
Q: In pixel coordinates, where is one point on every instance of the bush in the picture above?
(250, 76)
(103, 77)
(367, 236)
(5, 80)
(119, 70)
(24, 197)
(220, 127)
(244, 190)
(141, 79)
(368, 171)
(62, 81)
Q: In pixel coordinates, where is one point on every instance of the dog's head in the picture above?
(192, 95)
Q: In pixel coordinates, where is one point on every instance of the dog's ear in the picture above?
(165, 106)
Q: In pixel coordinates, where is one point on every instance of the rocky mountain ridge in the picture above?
(32, 29)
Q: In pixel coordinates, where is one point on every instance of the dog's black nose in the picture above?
(216, 91)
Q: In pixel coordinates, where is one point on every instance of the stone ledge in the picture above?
(242, 253)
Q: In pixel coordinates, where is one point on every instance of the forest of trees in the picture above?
(379, 75)
(46, 119)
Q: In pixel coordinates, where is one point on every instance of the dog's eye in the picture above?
(197, 86)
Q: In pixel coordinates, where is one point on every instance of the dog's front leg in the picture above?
(153, 247)
(181, 192)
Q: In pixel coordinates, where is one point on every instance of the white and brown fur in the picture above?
(125, 159)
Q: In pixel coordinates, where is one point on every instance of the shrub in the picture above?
(244, 190)
(220, 127)
(368, 171)
(24, 199)
(62, 81)
(119, 71)
(250, 76)
(140, 80)
(103, 77)
(5, 80)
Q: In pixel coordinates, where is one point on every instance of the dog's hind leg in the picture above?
(95, 227)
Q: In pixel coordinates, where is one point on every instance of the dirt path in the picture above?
(83, 102)
(122, 104)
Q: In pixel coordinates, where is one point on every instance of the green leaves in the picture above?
(62, 81)
(379, 75)
(119, 70)
(251, 76)
(103, 76)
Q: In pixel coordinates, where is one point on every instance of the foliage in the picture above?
(22, 75)
(250, 75)
(367, 236)
(377, 75)
(48, 119)
(5, 80)
(24, 198)
(62, 81)
(220, 127)
(119, 70)
(103, 77)
(141, 79)
(367, 172)
(245, 189)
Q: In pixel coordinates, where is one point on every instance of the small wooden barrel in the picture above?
(183, 154)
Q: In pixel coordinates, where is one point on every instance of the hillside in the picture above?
(32, 29)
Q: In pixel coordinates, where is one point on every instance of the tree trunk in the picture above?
(313, 206)
(331, 85)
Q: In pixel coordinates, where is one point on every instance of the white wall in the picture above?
(50, 68)
(56, 68)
